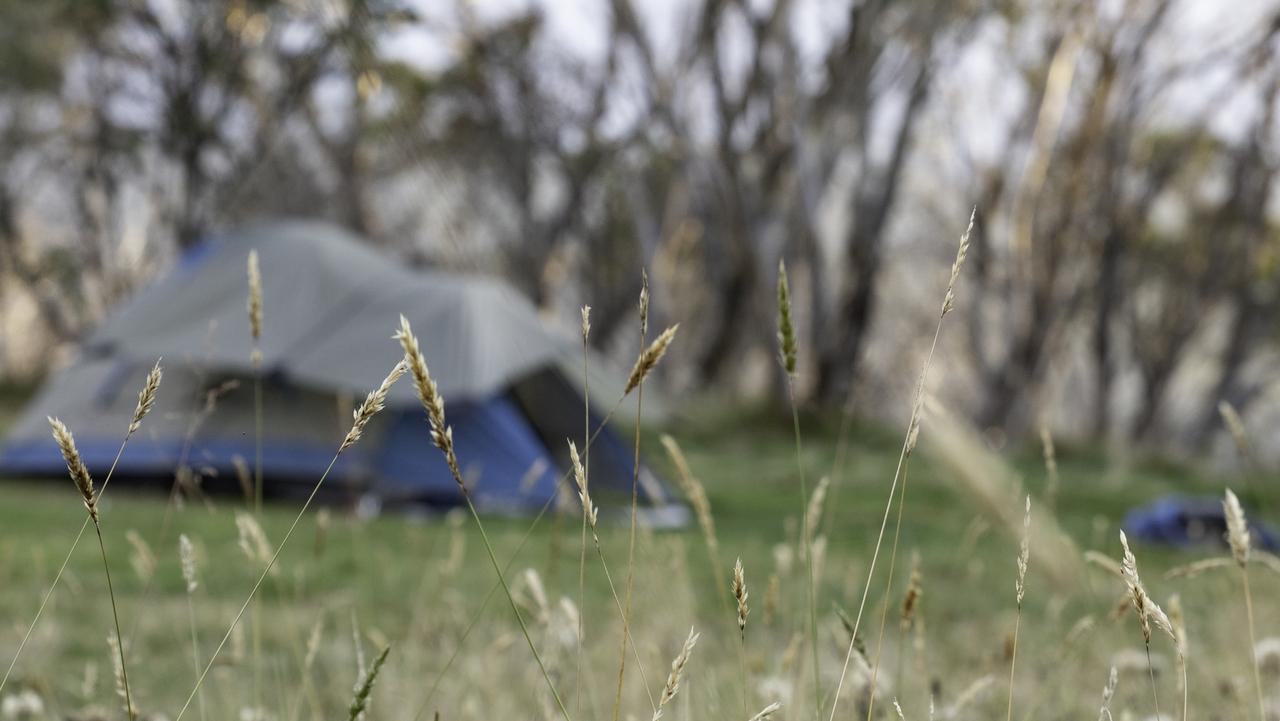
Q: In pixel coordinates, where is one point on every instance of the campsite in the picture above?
(372, 565)
(418, 585)
(612, 360)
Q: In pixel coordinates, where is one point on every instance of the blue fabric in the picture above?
(191, 260)
(1176, 521)
(496, 448)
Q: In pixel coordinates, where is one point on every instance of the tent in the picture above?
(512, 385)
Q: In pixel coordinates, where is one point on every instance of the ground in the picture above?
(419, 584)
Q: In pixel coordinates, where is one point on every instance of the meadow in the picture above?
(346, 587)
(833, 571)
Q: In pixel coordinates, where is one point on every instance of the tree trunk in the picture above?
(1239, 341)
(736, 300)
(838, 363)
(1108, 299)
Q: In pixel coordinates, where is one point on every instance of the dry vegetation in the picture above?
(277, 615)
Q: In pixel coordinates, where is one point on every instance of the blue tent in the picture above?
(513, 386)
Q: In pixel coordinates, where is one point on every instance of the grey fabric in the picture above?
(331, 305)
(96, 397)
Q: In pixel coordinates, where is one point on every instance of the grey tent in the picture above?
(512, 385)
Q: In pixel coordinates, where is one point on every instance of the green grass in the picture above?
(390, 577)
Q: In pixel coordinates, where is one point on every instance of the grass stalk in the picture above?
(1146, 611)
(362, 415)
(696, 495)
(740, 595)
(146, 400)
(442, 438)
(1151, 671)
(187, 555)
(257, 440)
(908, 445)
(1179, 623)
(360, 701)
(592, 515)
(115, 617)
(195, 649)
(254, 308)
(475, 618)
(806, 533)
(253, 592)
(1239, 538)
(48, 594)
(1024, 556)
(524, 628)
(1253, 665)
(1013, 662)
(631, 558)
(788, 348)
(617, 602)
(884, 611)
(648, 358)
(586, 469)
(79, 474)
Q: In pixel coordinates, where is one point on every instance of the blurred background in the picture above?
(1121, 156)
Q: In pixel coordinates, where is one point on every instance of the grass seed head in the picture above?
(586, 322)
(254, 305)
(644, 303)
(913, 430)
(786, 328)
(122, 691)
(142, 559)
(949, 300)
(1108, 691)
(677, 671)
(373, 403)
(813, 512)
(1050, 464)
(1178, 620)
(649, 358)
(429, 394)
(1237, 528)
(915, 589)
(253, 540)
(313, 643)
(584, 494)
(1235, 426)
(1137, 593)
(740, 595)
(767, 712)
(187, 553)
(75, 465)
(360, 701)
(694, 491)
(1148, 610)
(146, 397)
(1024, 554)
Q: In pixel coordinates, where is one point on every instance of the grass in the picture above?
(392, 574)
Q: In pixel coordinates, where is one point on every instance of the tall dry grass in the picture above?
(899, 479)
(84, 483)
(476, 661)
(146, 401)
(788, 355)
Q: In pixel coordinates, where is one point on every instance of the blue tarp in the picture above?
(496, 448)
(1179, 521)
